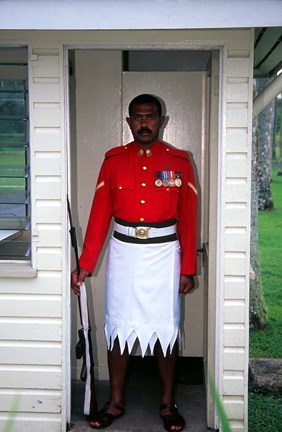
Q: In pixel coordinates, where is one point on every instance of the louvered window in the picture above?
(14, 155)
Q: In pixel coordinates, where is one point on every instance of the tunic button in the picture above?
(142, 201)
(143, 184)
(120, 187)
(144, 168)
(142, 219)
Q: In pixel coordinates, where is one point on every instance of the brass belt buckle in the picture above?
(142, 232)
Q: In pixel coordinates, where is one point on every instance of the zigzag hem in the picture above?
(146, 342)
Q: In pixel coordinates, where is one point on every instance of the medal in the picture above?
(158, 181)
(171, 181)
(165, 178)
(178, 181)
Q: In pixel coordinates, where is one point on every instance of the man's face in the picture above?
(145, 123)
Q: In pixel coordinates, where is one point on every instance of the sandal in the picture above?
(173, 419)
(105, 418)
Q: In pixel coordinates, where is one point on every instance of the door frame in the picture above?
(212, 320)
(214, 265)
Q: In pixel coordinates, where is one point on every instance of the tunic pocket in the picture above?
(121, 194)
(167, 198)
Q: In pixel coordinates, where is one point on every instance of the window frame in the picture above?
(17, 57)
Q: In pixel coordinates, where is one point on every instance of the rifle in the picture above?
(84, 345)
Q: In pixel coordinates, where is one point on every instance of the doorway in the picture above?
(102, 84)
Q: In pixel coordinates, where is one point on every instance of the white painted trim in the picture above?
(66, 315)
(218, 372)
(248, 261)
(34, 231)
(128, 15)
(28, 268)
(17, 269)
(220, 236)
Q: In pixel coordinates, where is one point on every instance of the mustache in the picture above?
(146, 130)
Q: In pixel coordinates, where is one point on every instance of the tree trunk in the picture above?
(280, 146)
(265, 126)
(257, 310)
(274, 131)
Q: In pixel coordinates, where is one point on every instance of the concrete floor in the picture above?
(142, 407)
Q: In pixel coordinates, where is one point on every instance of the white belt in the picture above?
(143, 232)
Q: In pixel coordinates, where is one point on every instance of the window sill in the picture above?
(17, 270)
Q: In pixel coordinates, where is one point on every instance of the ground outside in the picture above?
(142, 398)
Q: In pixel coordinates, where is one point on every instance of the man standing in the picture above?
(149, 189)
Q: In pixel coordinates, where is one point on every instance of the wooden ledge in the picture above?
(17, 270)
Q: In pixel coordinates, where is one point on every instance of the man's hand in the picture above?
(76, 280)
(186, 284)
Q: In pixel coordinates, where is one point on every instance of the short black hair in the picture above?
(145, 99)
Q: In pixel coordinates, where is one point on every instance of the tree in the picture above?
(280, 140)
(265, 132)
(257, 310)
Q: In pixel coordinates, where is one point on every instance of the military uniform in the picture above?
(153, 198)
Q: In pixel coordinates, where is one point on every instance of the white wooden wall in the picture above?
(235, 232)
(34, 306)
(33, 309)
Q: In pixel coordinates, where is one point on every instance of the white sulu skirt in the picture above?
(142, 294)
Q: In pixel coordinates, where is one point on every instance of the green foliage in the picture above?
(13, 412)
(265, 413)
(12, 159)
(225, 427)
(267, 342)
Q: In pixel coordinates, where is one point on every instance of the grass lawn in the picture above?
(265, 412)
(268, 342)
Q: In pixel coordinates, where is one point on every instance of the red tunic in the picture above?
(126, 189)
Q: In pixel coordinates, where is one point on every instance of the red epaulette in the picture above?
(115, 151)
(176, 152)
